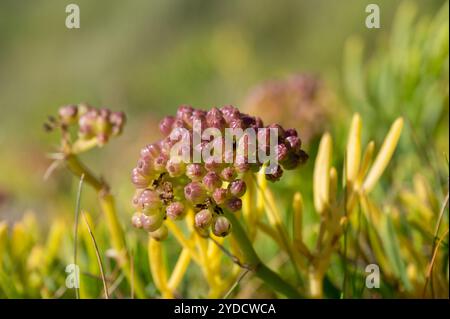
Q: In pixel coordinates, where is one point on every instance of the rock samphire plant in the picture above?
(200, 170)
(208, 189)
(82, 128)
(212, 184)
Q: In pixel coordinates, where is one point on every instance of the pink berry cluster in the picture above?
(166, 187)
(92, 123)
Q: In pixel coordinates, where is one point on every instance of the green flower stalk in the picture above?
(94, 127)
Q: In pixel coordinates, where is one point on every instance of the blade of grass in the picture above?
(116, 283)
(75, 244)
(392, 248)
(132, 273)
(435, 238)
(241, 277)
(438, 224)
(435, 246)
(432, 262)
(99, 259)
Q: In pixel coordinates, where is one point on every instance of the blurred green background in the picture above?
(146, 58)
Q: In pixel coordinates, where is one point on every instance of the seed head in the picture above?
(234, 204)
(175, 210)
(195, 192)
(160, 162)
(151, 151)
(195, 172)
(139, 180)
(214, 118)
(291, 132)
(274, 173)
(230, 113)
(151, 222)
(203, 219)
(294, 143)
(282, 152)
(167, 186)
(145, 166)
(237, 188)
(228, 174)
(175, 167)
(95, 125)
(220, 195)
(221, 226)
(165, 126)
(211, 181)
(149, 200)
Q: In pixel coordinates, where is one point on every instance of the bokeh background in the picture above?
(148, 57)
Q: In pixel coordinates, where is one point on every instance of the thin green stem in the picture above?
(253, 262)
(75, 240)
(241, 277)
(99, 259)
(109, 210)
(79, 169)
